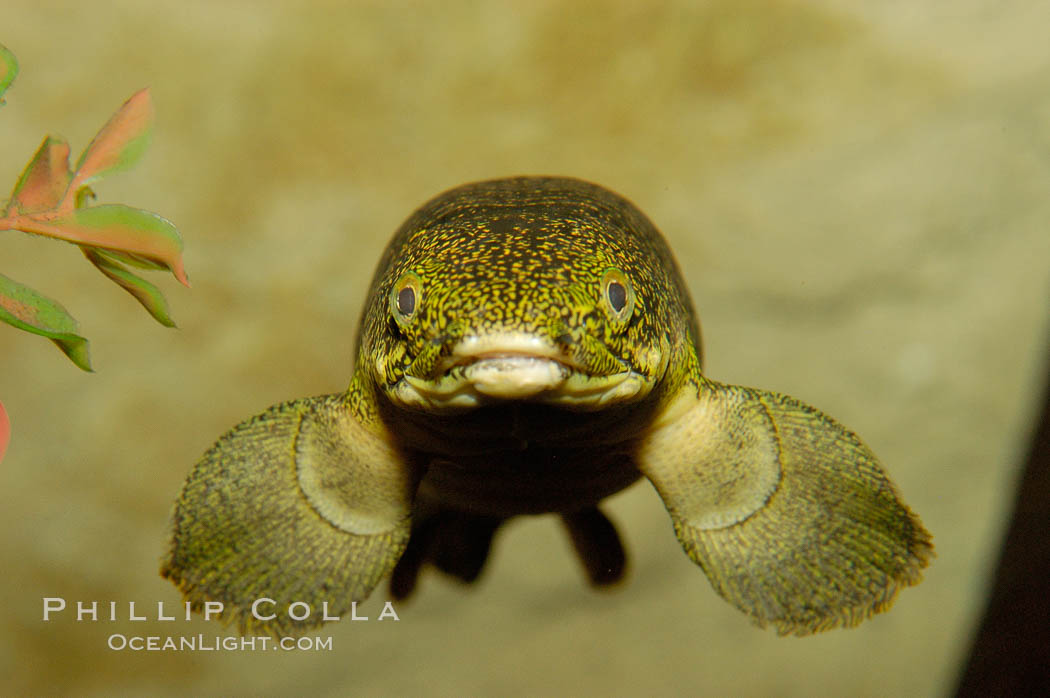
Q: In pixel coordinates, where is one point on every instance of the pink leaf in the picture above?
(119, 144)
(115, 227)
(45, 179)
(5, 431)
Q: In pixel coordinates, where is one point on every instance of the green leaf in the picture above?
(44, 180)
(120, 143)
(8, 70)
(115, 227)
(133, 260)
(144, 292)
(24, 308)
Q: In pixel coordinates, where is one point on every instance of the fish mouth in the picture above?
(481, 370)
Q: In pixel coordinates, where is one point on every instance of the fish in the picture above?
(528, 346)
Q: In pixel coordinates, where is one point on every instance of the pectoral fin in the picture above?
(788, 513)
(301, 503)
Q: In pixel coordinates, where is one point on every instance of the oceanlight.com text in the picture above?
(215, 643)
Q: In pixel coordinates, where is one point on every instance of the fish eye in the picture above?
(404, 298)
(617, 294)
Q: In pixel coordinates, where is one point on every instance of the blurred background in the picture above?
(857, 192)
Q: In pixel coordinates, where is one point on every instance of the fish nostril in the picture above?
(559, 332)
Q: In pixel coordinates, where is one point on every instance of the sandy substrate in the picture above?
(858, 194)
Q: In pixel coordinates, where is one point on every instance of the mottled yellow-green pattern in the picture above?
(787, 511)
(529, 255)
(565, 284)
(245, 532)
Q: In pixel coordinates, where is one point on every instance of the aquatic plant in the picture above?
(51, 199)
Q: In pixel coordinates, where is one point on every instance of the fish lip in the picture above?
(503, 346)
(506, 365)
(481, 369)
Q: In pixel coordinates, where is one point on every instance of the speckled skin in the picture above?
(528, 254)
(528, 346)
